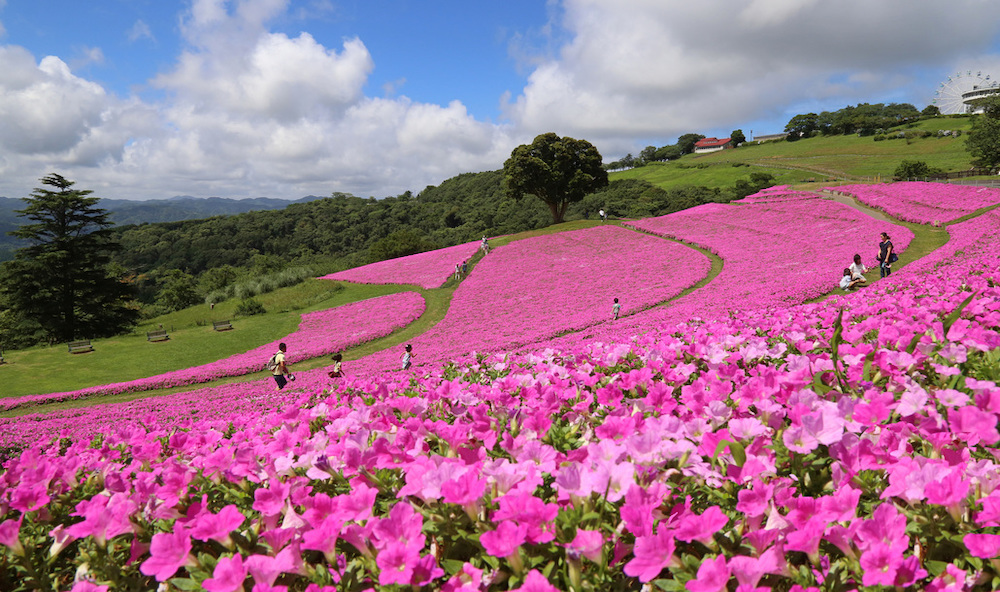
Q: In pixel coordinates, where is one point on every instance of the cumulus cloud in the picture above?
(660, 69)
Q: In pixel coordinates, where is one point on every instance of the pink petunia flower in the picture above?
(652, 554)
(208, 526)
(169, 552)
(986, 546)
(505, 540)
(228, 576)
(713, 576)
(588, 543)
(9, 534)
(536, 582)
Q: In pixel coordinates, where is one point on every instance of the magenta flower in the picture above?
(536, 582)
(468, 580)
(879, 564)
(974, 425)
(754, 502)
(694, 527)
(103, 517)
(270, 500)
(265, 569)
(465, 490)
(588, 543)
(652, 554)
(986, 546)
(217, 527)
(228, 576)
(323, 537)
(9, 531)
(396, 562)
(713, 575)
(169, 552)
(505, 540)
(531, 511)
(403, 525)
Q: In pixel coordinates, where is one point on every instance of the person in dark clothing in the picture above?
(886, 256)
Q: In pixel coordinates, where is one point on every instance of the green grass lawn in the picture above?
(192, 340)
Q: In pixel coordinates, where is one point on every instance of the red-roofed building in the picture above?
(712, 144)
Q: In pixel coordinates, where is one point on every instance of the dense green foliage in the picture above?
(124, 211)
(557, 170)
(914, 169)
(61, 287)
(863, 119)
(328, 234)
(984, 138)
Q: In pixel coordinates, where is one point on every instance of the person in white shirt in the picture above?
(846, 282)
(858, 269)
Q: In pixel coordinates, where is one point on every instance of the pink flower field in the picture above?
(769, 255)
(760, 444)
(536, 288)
(320, 333)
(924, 203)
(427, 270)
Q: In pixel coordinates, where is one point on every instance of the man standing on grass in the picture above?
(280, 368)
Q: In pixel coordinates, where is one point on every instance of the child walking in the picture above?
(408, 357)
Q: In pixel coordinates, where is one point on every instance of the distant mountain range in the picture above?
(125, 211)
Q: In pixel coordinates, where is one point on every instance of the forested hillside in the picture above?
(344, 231)
(125, 211)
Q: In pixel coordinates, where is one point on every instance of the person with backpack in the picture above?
(279, 368)
(886, 256)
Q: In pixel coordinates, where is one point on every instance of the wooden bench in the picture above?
(79, 347)
(222, 325)
(158, 335)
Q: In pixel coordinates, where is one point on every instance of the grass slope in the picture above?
(819, 159)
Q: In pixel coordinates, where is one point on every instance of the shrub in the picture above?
(249, 307)
(249, 288)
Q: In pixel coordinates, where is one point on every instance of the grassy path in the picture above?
(926, 238)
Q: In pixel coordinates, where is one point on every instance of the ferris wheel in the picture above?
(948, 96)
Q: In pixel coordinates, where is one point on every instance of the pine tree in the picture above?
(61, 283)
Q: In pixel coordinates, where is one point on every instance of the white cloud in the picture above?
(659, 69)
(44, 108)
(140, 30)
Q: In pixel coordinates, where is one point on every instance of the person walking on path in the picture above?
(337, 370)
(408, 357)
(886, 256)
(616, 310)
(458, 271)
(603, 215)
(279, 367)
(858, 269)
(465, 268)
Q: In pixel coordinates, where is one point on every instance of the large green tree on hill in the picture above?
(61, 287)
(984, 137)
(557, 170)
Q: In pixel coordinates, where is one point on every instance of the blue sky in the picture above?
(143, 99)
